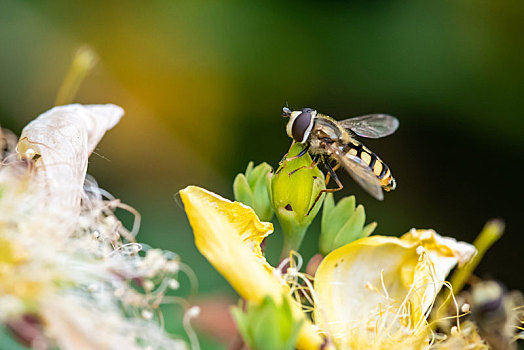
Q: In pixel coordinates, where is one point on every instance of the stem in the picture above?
(84, 60)
(293, 236)
(491, 232)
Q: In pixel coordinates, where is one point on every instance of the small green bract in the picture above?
(268, 326)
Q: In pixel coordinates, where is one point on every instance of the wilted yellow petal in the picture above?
(229, 234)
(375, 292)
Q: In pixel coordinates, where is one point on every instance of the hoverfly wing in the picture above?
(373, 126)
(359, 171)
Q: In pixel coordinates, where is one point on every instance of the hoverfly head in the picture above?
(300, 124)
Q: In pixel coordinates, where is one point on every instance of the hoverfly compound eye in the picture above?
(286, 112)
(302, 125)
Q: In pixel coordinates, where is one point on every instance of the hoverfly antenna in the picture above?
(286, 112)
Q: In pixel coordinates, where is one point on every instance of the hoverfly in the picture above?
(333, 143)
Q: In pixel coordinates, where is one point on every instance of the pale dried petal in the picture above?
(60, 141)
(78, 273)
(78, 323)
(376, 291)
(74, 326)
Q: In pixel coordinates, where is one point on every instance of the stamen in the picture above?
(465, 308)
(193, 339)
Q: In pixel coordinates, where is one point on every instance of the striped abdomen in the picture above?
(379, 168)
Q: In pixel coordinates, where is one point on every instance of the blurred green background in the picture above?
(203, 84)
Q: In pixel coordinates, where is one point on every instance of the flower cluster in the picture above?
(360, 292)
(71, 275)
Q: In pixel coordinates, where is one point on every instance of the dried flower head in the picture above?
(68, 267)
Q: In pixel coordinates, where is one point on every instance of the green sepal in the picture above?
(251, 189)
(268, 325)
(342, 224)
(242, 191)
(351, 229)
(333, 219)
(329, 205)
(368, 229)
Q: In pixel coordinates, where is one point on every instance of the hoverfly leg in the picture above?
(304, 151)
(331, 171)
(285, 155)
(310, 166)
(285, 159)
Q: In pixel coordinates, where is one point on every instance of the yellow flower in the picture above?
(229, 234)
(375, 292)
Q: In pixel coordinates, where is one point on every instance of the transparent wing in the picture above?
(358, 170)
(372, 125)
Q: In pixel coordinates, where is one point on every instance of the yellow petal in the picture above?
(375, 292)
(229, 234)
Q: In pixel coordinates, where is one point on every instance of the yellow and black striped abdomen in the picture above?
(379, 168)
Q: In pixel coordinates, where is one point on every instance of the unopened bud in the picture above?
(296, 196)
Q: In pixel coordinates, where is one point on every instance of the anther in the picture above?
(173, 284)
(147, 314)
(465, 308)
(29, 153)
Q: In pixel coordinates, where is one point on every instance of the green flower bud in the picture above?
(294, 188)
(268, 325)
(252, 190)
(342, 224)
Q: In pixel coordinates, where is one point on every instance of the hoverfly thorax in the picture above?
(300, 123)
